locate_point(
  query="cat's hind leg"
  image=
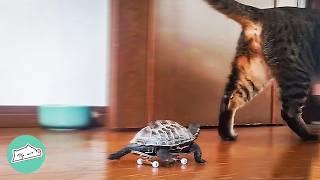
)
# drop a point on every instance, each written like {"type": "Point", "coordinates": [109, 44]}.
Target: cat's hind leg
{"type": "Point", "coordinates": [248, 77]}
{"type": "Point", "coordinates": [294, 90]}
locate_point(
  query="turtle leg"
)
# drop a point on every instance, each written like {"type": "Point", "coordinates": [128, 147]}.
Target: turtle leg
{"type": "Point", "coordinates": [165, 157]}
{"type": "Point", "coordinates": [126, 150]}
{"type": "Point", "coordinates": [197, 153]}
{"type": "Point", "coordinates": [117, 155]}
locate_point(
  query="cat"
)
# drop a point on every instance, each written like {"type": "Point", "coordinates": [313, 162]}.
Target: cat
{"type": "Point", "coordinates": [276, 43]}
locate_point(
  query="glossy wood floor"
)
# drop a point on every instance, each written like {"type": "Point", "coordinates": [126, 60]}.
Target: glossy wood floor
{"type": "Point", "coordinates": [259, 153]}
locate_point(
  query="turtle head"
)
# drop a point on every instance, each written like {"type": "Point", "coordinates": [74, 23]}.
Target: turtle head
{"type": "Point", "coordinates": [194, 129]}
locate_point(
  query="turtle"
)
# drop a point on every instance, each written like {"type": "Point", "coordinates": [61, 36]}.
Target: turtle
{"type": "Point", "coordinates": [164, 139]}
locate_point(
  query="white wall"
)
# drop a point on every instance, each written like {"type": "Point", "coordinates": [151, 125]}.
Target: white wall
{"type": "Point", "coordinates": [270, 3]}
{"type": "Point", "coordinates": [54, 52]}
{"type": "Point", "coordinates": [258, 3]}
{"type": "Point", "coordinates": [293, 3]}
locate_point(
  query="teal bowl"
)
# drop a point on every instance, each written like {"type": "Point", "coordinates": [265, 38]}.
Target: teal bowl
{"type": "Point", "coordinates": [64, 117]}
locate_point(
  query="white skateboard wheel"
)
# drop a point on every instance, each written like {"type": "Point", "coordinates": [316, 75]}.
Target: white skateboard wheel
{"type": "Point", "coordinates": [184, 161]}
{"type": "Point", "coordinates": [139, 161]}
{"type": "Point", "coordinates": [155, 164]}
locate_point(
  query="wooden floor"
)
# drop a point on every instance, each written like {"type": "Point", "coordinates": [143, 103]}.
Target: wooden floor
{"type": "Point", "coordinates": [259, 153]}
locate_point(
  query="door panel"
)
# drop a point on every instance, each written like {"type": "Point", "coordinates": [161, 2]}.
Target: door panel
{"type": "Point", "coordinates": [129, 73]}
{"type": "Point", "coordinates": [171, 60]}
{"type": "Point", "coordinates": [193, 50]}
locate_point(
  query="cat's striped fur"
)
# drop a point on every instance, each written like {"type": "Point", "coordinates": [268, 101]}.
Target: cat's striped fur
{"type": "Point", "coordinates": [279, 43]}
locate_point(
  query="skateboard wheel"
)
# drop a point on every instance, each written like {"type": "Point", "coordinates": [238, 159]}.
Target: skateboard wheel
{"type": "Point", "coordinates": [184, 161]}
{"type": "Point", "coordinates": [139, 161]}
{"type": "Point", "coordinates": [155, 164]}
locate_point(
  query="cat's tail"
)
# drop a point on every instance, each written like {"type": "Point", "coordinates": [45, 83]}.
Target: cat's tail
{"type": "Point", "coordinates": [239, 12]}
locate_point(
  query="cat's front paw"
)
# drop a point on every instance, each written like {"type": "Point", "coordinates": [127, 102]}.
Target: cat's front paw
{"type": "Point", "coordinates": [311, 137]}
{"type": "Point", "coordinates": [228, 136]}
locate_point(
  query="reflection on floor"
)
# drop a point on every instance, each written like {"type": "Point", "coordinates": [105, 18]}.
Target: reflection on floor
{"type": "Point", "coordinates": [259, 153]}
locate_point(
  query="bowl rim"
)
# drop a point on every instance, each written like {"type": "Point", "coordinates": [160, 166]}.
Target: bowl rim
{"type": "Point", "coordinates": [62, 106]}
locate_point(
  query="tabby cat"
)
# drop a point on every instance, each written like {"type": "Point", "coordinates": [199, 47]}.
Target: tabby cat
{"type": "Point", "coordinates": [277, 43]}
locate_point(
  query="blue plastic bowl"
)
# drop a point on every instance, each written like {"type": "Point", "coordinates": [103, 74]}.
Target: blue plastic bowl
{"type": "Point", "coordinates": [64, 117]}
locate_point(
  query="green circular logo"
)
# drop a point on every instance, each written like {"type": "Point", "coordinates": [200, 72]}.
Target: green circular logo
{"type": "Point", "coordinates": [26, 154]}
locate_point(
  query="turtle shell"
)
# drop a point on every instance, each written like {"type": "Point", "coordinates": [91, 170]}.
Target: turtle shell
{"type": "Point", "coordinates": [163, 133]}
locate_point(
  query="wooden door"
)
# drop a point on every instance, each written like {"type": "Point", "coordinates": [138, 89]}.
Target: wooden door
{"type": "Point", "coordinates": [128, 64]}
{"type": "Point", "coordinates": [194, 46]}
{"type": "Point", "coordinates": [171, 60]}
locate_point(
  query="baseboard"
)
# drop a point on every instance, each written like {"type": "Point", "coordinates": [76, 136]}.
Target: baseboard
{"type": "Point", "coordinates": [26, 116]}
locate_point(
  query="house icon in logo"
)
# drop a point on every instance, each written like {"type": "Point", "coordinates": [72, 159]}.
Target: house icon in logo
{"type": "Point", "coordinates": [25, 153]}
